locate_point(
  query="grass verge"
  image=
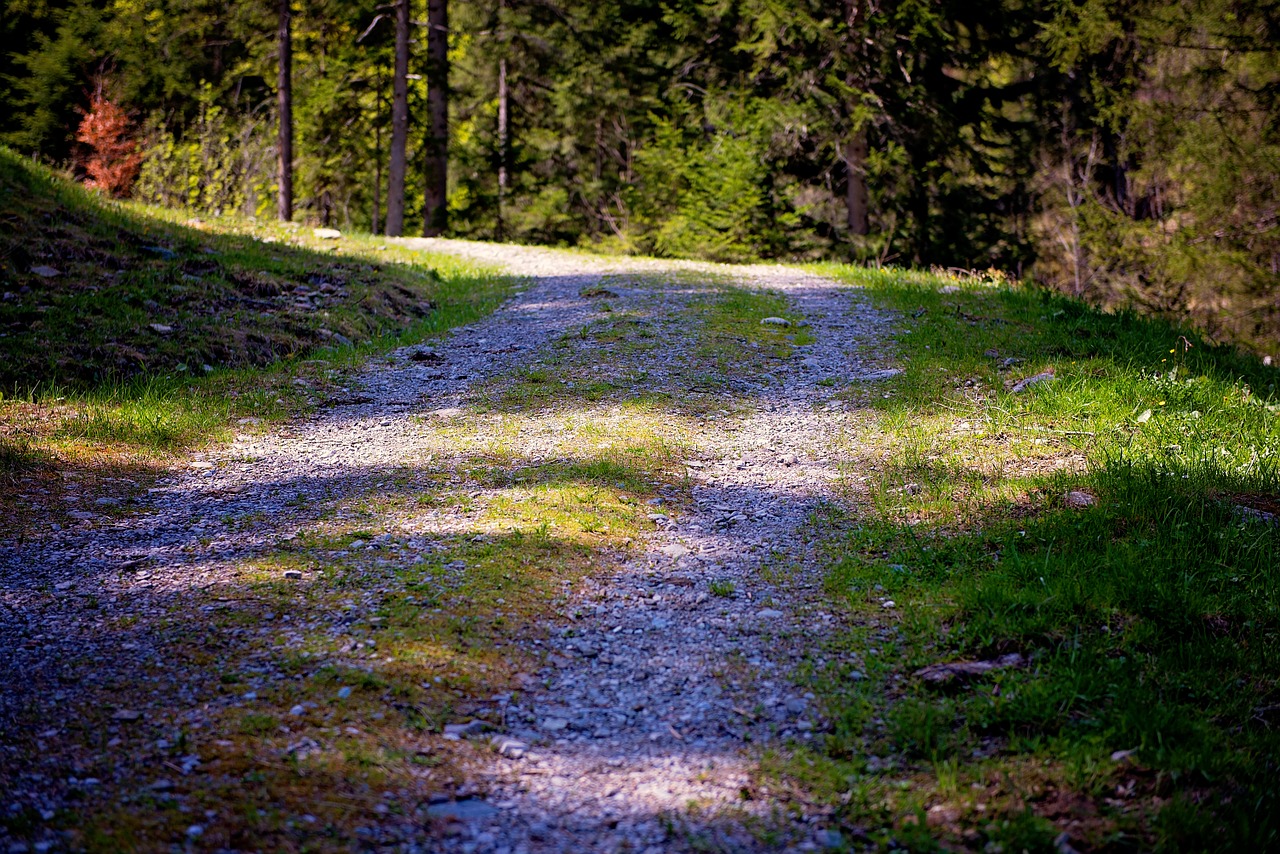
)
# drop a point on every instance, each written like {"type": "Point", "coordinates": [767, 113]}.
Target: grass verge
{"type": "Point", "coordinates": [129, 334]}
{"type": "Point", "coordinates": [1066, 611]}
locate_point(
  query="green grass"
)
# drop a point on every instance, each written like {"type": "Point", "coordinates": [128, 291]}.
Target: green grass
{"type": "Point", "coordinates": [1146, 606]}
{"type": "Point", "coordinates": [161, 333]}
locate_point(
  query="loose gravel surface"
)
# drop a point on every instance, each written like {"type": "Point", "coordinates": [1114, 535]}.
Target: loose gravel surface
{"type": "Point", "coordinates": [661, 678]}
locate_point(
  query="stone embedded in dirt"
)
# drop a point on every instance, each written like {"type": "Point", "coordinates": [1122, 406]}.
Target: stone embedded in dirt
{"type": "Point", "coordinates": [993, 353]}
{"type": "Point", "coordinates": [553, 724]}
{"type": "Point", "coordinates": [162, 328]}
{"type": "Point", "coordinates": [292, 573]}
{"type": "Point", "coordinates": [326, 233]}
{"type": "Point", "coordinates": [787, 459]}
{"type": "Point", "coordinates": [768, 613]}
{"type": "Point", "coordinates": [876, 376]}
{"type": "Point", "coordinates": [960, 671]}
{"type": "Point", "coordinates": [1026, 383]}
{"type": "Point", "coordinates": [471, 809]}
{"type": "Point", "coordinates": [126, 716]}
{"type": "Point", "coordinates": [512, 748]}
{"type": "Point", "coordinates": [675, 551]}
{"type": "Point", "coordinates": [46, 272]}
{"type": "Point", "coordinates": [167, 254]}
{"type": "Point", "coordinates": [454, 732]}
{"type": "Point", "coordinates": [200, 464]}
{"type": "Point", "coordinates": [775, 321]}
{"type": "Point", "coordinates": [1076, 498]}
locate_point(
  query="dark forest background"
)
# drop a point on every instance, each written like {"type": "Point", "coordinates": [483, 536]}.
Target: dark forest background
{"type": "Point", "coordinates": [1125, 152]}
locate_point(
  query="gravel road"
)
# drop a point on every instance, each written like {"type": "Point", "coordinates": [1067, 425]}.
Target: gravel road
{"type": "Point", "coordinates": [659, 689]}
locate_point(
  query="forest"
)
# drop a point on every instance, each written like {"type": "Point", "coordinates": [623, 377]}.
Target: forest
{"type": "Point", "coordinates": [1123, 152]}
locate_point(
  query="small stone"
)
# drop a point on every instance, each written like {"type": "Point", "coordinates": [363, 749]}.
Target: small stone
{"type": "Point", "coordinates": [195, 831]}
{"type": "Point", "coordinates": [1076, 498]}
{"type": "Point", "coordinates": [1024, 384]}
{"type": "Point", "coordinates": [512, 748]}
{"type": "Point", "coordinates": [470, 809]}
{"type": "Point", "coordinates": [46, 272]}
{"type": "Point", "coordinates": [296, 710]}
{"type": "Point", "coordinates": [554, 724]}
{"type": "Point", "coordinates": [293, 573]}
{"type": "Point", "coordinates": [775, 321]}
{"type": "Point", "coordinates": [675, 551]}
{"type": "Point", "coordinates": [876, 376]}
{"type": "Point", "coordinates": [788, 459]}
{"type": "Point", "coordinates": [162, 328]}
{"type": "Point", "coordinates": [107, 502]}
{"type": "Point", "coordinates": [326, 233]}
{"type": "Point", "coordinates": [344, 692]}
{"type": "Point", "coordinates": [126, 716]}
{"type": "Point", "coordinates": [768, 614]}
{"type": "Point", "coordinates": [64, 585]}
{"type": "Point", "coordinates": [888, 604]}
{"type": "Point", "coordinates": [454, 732]}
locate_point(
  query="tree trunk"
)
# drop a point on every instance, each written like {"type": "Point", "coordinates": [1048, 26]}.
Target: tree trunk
{"type": "Point", "coordinates": [284, 94]}
{"type": "Point", "coordinates": [502, 140]}
{"type": "Point", "coordinates": [855, 162]}
{"type": "Point", "coordinates": [377, 155]}
{"type": "Point", "coordinates": [399, 123]}
{"type": "Point", "coordinates": [437, 148]}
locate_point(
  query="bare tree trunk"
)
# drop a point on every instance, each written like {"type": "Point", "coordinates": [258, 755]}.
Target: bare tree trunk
{"type": "Point", "coordinates": [284, 95]}
{"type": "Point", "coordinates": [399, 123]}
{"type": "Point", "coordinates": [855, 163]}
{"type": "Point", "coordinates": [436, 218]}
{"type": "Point", "coordinates": [502, 140]}
{"type": "Point", "coordinates": [377, 155]}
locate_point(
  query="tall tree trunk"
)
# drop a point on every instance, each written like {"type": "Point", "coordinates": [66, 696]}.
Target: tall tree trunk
{"type": "Point", "coordinates": [855, 163]}
{"type": "Point", "coordinates": [284, 95]}
{"type": "Point", "coordinates": [437, 148]}
{"type": "Point", "coordinates": [399, 123]}
{"type": "Point", "coordinates": [377, 154]}
{"type": "Point", "coordinates": [502, 140]}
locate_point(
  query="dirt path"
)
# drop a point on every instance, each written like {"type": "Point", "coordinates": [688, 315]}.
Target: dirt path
{"type": "Point", "coordinates": [662, 674]}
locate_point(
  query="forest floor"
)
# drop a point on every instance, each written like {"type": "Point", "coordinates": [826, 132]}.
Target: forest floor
{"type": "Point", "coordinates": [672, 556]}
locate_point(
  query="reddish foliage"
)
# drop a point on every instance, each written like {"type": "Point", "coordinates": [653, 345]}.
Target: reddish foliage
{"type": "Point", "coordinates": [115, 157]}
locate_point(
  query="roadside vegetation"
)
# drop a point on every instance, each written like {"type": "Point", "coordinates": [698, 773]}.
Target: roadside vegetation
{"type": "Point", "coordinates": [1064, 599]}
{"type": "Point", "coordinates": [131, 333]}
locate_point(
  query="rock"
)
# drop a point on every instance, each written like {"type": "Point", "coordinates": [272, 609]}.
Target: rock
{"type": "Point", "coordinates": [297, 710]}
{"type": "Point", "coordinates": [787, 459]}
{"type": "Point", "coordinates": [107, 502]}
{"type": "Point", "coordinates": [200, 464]}
{"type": "Point", "coordinates": [1026, 383]}
{"type": "Point", "coordinates": [46, 272]}
{"type": "Point", "coordinates": [512, 748]}
{"type": "Point", "coordinates": [470, 809]}
{"type": "Point", "coordinates": [1076, 498]}
{"type": "Point", "coordinates": [454, 732]}
{"type": "Point", "coordinates": [943, 674]}
{"type": "Point", "coordinates": [877, 376]}
{"type": "Point", "coordinates": [553, 724]}
{"type": "Point", "coordinates": [63, 585]}
{"type": "Point", "coordinates": [993, 353]}
{"type": "Point", "coordinates": [775, 321]}
{"type": "Point", "coordinates": [293, 573]}
{"type": "Point", "coordinates": [888, 604]}
{"type": "Point", "coordinates": [326, 233]}
{"type": "Point", "coordinates": [167, 254]}
{"type": "Point", "coordinates": [426, 356]}
{"type": "Point", "coordinates": [162, 328]}
{"type": "Point", "coordinates": [768, 614]}
{"type": "Point", "coordinates": [675, 551]}
{"type": "Point", "coordinates": [344, 692]}
{"type": "Point", "coordinates": [195, 831]}
{"type": "Point", "coordinates": [126, 715]}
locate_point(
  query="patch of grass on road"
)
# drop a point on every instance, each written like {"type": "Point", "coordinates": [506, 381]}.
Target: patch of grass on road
{"type": "Point", "coordinates": [129, 334]}
{"type": "Point", "coordinates": [1114, 526]}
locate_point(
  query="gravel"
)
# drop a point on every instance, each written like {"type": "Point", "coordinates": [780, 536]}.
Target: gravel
{"type": "Point", "coordinates": [659, 694]}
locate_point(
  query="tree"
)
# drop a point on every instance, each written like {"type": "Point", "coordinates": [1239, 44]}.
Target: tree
{"type": "Point", "coordinates": [436, 215]}
{"type": "Point", "coordinates": [399, 123]}
{"type": "Point", "coordinates": [284, 38]}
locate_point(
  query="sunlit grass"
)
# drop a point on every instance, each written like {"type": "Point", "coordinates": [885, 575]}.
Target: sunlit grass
{"type": "Point", "coordinates": [1092, 523]}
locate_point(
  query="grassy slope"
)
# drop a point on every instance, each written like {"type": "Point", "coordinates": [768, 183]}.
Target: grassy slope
{"type": "Point", "coordinates": [1150, 618]}
{"type": "Point", "coordinates": [159, 334]}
